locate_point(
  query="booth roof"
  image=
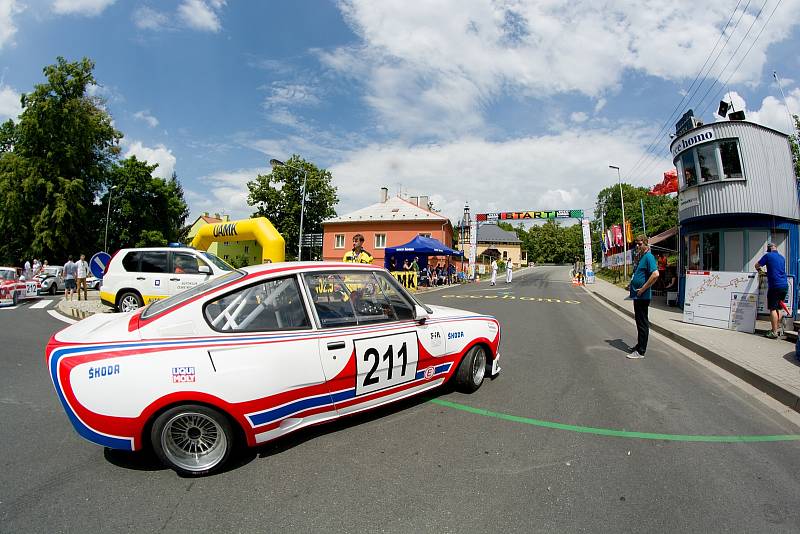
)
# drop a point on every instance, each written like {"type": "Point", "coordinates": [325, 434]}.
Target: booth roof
{"type": "Point", "coordinates": [666, 234]}
{"type": "Point", "coordinates": [423, 245]}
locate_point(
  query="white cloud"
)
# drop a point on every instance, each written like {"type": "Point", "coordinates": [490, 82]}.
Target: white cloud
{"type": "Point", "coordinates": [145, 116]}
{"type": "Point", "coordinates": [201, 15]}
{"type": "Point", "coordinates": [560, 171]}
{"type": "Point", "coordinates": [159, 154]}
{"type": "Point", "coordinates": [578, 116]}
{"type": "Point", "coordinates": [225, 192]}
{"type": "Point", "coordinates": [601, 103]}
{"type": "Point", "coordinates": [8, 8]}
{"type": "Point", "coordinates": [146, 18]}
{"type": "Point", "coordinates": [88, 8]}
{"type": "Point", "coordinates": [435, 75]}
{"type": "Point", "coordinates": [10, 107]}
{"type": "Point", "coordinates": [772, 112]}
{"type": "Point", "coordinates": [291, 94]}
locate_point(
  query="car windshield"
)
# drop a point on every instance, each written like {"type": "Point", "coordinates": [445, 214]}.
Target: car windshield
{"type": "Point", "coordinates": [52, 271]}
{"type": "Point", "coordinates": [8, 275]}
{"type": "Point", "coordinates": [160, 305]}
{"type": "Point", "coordinates": [221, 264]}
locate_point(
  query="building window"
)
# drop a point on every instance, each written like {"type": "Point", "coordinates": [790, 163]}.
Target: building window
{"type": "Point", "coordinates": [225, 257]}
{"type": "Point", "coordinates": [707, 159]}
{"type": "Point", "coordinates": [702, 164]}
{"type": "Point", "coordinates": [425, 235]}
{"type": "Point", "coordinates": [380, 240]}
{"type": "Point", "coordinates": [246, 249]}
{"type": "Point", "coordinates": [505, 255]}
{"type": "Point", "coordinates": [693, 256]}
{"type": "Point", "coordinates": [689, 172]}
{"type": "Point", "coordinates": [711, 251]}
{"type": "Point", "coordinates": [731, 163]}
{"type": "Point", "coordinates": [338, 241]}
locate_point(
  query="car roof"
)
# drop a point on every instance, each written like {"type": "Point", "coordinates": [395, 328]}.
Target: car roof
{"type": "Point", "coordinates": [161, 249]}
{"type": "Point", "coordinates": [309, 266]}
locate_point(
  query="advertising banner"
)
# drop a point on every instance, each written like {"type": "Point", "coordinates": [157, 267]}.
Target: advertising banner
{"type": "Point", "coordinates": [473, 245]}
{"type": "Point", "coordinates": [587, 251]}
{"type": "Point", "coordinates": [523, 215]}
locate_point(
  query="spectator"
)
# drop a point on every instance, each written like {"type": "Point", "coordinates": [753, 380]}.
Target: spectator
{"type": "Point", "coordinates": [27, 272]}
{"type": "Point", "coordinates": [70, 270]}
{"type": "Point", "coordinates": [37, 267]}
{"type": "Point", "coordinates": [494, 271]}
{"type": "Point", "coordinates": [392, 263]}
{"type": "Point", "coordinates": [644, 276]}
{"type": "Point", "coordinates": [358, 254]}
{"type": "Point", "coordinates": [777, 284]}
{"type": "Point", "coordinates": [415, 264]}
{"type": "Point", "coordinates": [82, 272]}
{"type": "Point", "coordinates": [406, 265]}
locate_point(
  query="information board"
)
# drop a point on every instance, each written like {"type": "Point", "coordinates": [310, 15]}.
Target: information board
{"type": "Point", "coordinates": [721, 299]}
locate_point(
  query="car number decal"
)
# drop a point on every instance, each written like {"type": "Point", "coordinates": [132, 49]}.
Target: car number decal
{"type": "Point", "coordinates": [385, 361]}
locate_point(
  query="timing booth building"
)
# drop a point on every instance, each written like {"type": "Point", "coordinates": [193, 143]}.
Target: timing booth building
{"type": "Point", "coordinates": [737, 192]}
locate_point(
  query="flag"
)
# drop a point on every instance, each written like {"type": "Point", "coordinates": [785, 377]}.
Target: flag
{"type": "Point", "coordinates": [609, 241]}
{"type": "Point", "coordinates": [617, 235]}
{"type": "Point", "coordinates": [628, 232]}
{"type": "Point", "coordinates": [668, 185]}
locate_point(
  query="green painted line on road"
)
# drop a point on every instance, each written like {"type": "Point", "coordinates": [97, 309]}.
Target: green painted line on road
{"type": "Point", "coordinates": [612, 432]}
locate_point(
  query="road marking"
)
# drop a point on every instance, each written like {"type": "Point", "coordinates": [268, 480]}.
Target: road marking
{"type": "Point", "coordinates": [512, 297]}
{"type": "Point", "coordinates": [9, 307]}
{"type": "Point", "coordinates": [61, 317]}
{"type": "Point", "coordinates": [613, 432]}
{"type": "Point", "coordinates": [41, 304]}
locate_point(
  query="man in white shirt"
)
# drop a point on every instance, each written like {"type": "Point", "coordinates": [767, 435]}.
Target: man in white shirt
{"type": "Point", "coordinates": [509, 270]}
{"type": "Point", "coordinates": [82, 274]}
{"type": "Point", "coordinates": [494, 271]}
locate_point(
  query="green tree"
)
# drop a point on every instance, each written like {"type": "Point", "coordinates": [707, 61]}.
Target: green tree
{"type": "Point", "coordinates": [277, 197]}
{"type": "Point", "coordinates": [660, 211]}
{"type": "Point", "coordinates": [145, 210]}
{"type": "Point", "coordinates": [56, 159]}
{"type": "Point", "coordinates": [795, 147]}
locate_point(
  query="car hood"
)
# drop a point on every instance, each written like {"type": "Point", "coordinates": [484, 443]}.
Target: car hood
{"type": "Point", "coordinates": [99, 328]}
{"type": "Point", "coordinates": [443, 312]}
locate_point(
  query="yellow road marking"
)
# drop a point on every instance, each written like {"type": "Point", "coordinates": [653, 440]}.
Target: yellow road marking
{"type": "Point", "coordinates": [512, 297]}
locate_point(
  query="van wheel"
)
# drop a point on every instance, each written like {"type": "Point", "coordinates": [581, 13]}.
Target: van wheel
{"type": "Point", "coordinates": [129, 301]}
{"type": "Point", "coordinates": [193, 440]}
{"type": "Point", "coordinates": [472, 370]}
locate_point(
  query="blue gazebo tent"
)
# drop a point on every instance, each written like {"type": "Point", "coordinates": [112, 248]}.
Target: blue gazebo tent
{"type": "Point", "coordinates": [420, 247]}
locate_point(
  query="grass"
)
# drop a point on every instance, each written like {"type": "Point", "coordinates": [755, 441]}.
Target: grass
{"type": "Point", "coordinates": [614, 277]}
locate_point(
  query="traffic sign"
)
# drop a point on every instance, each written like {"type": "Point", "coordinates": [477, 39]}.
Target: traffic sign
{"type": "Point", "coordinates": [98, 263]}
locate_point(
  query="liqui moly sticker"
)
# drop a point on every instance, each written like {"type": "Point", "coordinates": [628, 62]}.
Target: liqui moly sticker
{"type": "Point", "coordinates": [182, 374]}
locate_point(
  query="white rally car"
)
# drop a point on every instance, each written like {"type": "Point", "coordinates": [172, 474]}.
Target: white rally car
{"type": "Point", "coordinates": [13, 288]}
{"type": "Point", "coordinates": [258, 353]}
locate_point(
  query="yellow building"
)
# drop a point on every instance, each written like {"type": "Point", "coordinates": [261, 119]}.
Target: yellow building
{"type": "Point", "coordinates": [239, 253]}
{"type": "Point", "coordinates": [495, 242]}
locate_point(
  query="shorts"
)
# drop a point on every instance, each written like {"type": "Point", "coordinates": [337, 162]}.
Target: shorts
{"type": "Point", "coordinates": [69, 283]}
{"type": "Point", "coordinates": [775, 296]}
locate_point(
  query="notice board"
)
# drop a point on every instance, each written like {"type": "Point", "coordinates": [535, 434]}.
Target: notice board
{"type": "Point", "coordinates": [721, 299]}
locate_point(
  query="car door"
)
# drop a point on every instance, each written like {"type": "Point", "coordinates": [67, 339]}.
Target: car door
{"type": "Point", "coordinates": [152, 278]}
{"type": "Point", "coordinates": [185, 271]}
{"type": "Point", "coordinates": [276, 368]}
{"type": "Point", "coordinates": [369, 354]}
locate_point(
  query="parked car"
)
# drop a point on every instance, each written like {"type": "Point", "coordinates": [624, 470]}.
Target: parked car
{"type": "Point", "coordinates": [138, 276]}
{"type": "Point", "coordinates": [257, 353]}
{"type": "Point", "coordinates": [14, 287]}
{"type": "Point", "coordinates": [51, 279]}
{"type": "Point", "coordinates": [92, 282]}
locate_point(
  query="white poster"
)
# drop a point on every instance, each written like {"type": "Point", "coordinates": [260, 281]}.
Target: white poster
{"type": "Point", "coordinates": [473, 245]}
{"type": "Point", "coordinates": [721, 299]}
{"type": "Point", "coordinates": [587, 251]}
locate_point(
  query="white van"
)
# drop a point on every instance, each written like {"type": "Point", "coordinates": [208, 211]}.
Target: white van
{"type": "Point", "coordinates": [137, 276]}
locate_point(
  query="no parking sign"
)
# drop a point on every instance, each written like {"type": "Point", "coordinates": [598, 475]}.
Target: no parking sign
{"type": "Point", "coordinates": [98, 263]}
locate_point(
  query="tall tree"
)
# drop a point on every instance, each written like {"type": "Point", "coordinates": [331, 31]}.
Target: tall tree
{"type": "Point", "coordinates": [277, 196]}
{"type": "Point", "coordinates": [795, 147]}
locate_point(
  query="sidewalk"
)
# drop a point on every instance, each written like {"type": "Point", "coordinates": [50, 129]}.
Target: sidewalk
{"type": "Point", "coordinates": [79, 309]}
{"type": "Point", "coordinates": [767, 364]}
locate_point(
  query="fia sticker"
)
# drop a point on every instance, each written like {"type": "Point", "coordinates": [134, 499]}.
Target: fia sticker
{"type": "Point", "coordinates": [157, 282]}
{"type": "Point", "coordinates": [182, 374]}
{"type": "Point", "coordinates": [429, 373]}
{"type": "Point", "coordinates": [436, 338]}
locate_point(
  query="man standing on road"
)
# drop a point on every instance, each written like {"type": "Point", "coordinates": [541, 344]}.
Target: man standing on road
{"type": "Point", "coordinates": [358, 254]}
{"type": "Point", "coordinates": [777, 284]}
{"type": "Point", "coordinates": [509, 272]}
{"type": "Point", "coordinates": [645, 275]}
{"type": "Point", "coordinates": [70, 270]}
{"type": "Point", "coordinates": [82, 273]}
{"type": "Point", "coordinates": [494, 271]}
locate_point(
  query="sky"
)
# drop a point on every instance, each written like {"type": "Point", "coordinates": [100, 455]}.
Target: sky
{"type": "Point", "coordinates": [505, 105]}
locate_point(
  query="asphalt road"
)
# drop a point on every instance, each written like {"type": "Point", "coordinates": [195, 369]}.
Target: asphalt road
{"type": "Point", "coordinates": [427, 467]}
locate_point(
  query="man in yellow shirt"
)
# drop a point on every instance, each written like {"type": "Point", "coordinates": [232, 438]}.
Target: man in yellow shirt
{"type": "Point", "coordinates": [358, 254]}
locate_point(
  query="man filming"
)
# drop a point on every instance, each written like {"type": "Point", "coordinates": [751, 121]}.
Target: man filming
{"type": "Point", "coordinates": [358, 254]}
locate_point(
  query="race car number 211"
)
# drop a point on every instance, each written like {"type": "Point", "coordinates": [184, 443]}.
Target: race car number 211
{"type": "Point", "coordinates": [385, 361]}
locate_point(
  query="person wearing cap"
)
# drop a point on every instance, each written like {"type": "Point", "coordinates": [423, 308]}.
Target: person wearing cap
{"type": "Point", "coordinates": [777, 284]}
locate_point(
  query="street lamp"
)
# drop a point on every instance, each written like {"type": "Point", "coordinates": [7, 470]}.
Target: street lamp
{"type": "Point", "coordinates": [278, 163]}
{"type": "Point", "coordinates": [108, 212]}
{"type": "Point", "coordinates": [624, 240]}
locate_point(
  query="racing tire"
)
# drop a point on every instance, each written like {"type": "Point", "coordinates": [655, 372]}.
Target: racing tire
{"type": "Point", "coordinates": [53, 289]}
{"type": "Point", "coordinates": [15, 298]}
{"type": "Point", "coordinates": [129, 301]}
{"type": "Point", "coordinates": [193, 440]}
{"type": "Point", "coordinates": [472, 370]}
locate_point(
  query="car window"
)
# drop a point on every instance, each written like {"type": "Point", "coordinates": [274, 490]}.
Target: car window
{"type": "Point", "coordinates": [131, 261]}
{"type": "Point", "coordinates": [186, 263]}
{"type": "Point", "coordinates": [268, 306]}
{"type": "Point", "coordinates": [221, 264]}
{"type": "Point", "coordinates": [403, 309]}
{"type": "Point", "coordinates": [153, 262]}
{"type": "Point", "coordinates": [342, 299]}
{"type": "Point", "coordinates": [159, 306]}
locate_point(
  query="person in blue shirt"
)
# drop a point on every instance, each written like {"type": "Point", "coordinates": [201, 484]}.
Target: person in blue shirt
{"type": "Point", "coordinates": [645, 275]}
{"type": "Point", "coordinates": [777, 284]}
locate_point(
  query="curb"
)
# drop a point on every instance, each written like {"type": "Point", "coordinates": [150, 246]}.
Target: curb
{"type": "Point", "coordinates": [776, 391]}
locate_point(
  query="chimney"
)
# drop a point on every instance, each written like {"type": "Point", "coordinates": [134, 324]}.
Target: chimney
{"type": "Point", "coordinates": [384, 194]}
{"type": "Point", "coordinates": [423, 202]}
{"type": "Point", "coordinates": [414, 200]}
{"type": "Point", "coordinates": [205, 214]}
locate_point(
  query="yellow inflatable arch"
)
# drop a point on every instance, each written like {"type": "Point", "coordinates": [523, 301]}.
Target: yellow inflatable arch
{"type": "Point", "coordinates": [273, 246]}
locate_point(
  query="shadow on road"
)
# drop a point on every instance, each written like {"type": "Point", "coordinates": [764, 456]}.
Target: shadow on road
{"type": "Point", "coordinates": [619, 344]}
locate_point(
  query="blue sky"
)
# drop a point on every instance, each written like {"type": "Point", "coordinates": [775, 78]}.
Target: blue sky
{"type": "Point", "coordinates": [507, 105]}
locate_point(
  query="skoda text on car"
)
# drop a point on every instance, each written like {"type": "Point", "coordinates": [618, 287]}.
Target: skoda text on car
{"type": "Point", "coordinates": [13, 288]}
{"type": "Point", "coordinates": [257, 353]}
{"type": "Point", "coordinates": [137, 276]}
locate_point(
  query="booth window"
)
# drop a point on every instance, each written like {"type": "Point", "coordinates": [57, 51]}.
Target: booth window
{"type": "Point", "coordinates": [693, 255]}
{"type": "Point", "coordinates": [711, 251]}
{"type": "Point", "coordinates": [689, 170]}
{"type": "Point", "coordinates": [731, 163]}
{"type": "Point", "coordinates": [339, 241]}
{"type": "Point", "coordinates": [707, 157]}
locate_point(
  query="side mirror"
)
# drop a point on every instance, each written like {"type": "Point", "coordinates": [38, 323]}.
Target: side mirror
{"type": "Point", "coordinates": [204, 269]}
{"type": "Point", "coordinates": [420, 314]}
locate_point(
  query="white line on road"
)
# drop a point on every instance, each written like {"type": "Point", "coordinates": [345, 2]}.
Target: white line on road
{"type": "Point", "coordinates": [41, 304]}
{"type": "Point", "coordinates": [61, 317]}
{"type": "Point", "coordinates": [9, 308]}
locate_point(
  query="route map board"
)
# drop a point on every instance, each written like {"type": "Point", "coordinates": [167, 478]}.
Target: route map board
{"type": "Point", "coordinates": [721, 299]}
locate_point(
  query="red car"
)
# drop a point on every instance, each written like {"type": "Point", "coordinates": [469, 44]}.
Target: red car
{"type": "Point", "coordinates": [12, 289]}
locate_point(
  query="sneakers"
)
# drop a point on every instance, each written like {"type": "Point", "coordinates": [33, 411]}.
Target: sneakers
{"type": "Point", "coordinates": [771, 335]}
{"type": "Point", "coordinates": [635, 356]}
